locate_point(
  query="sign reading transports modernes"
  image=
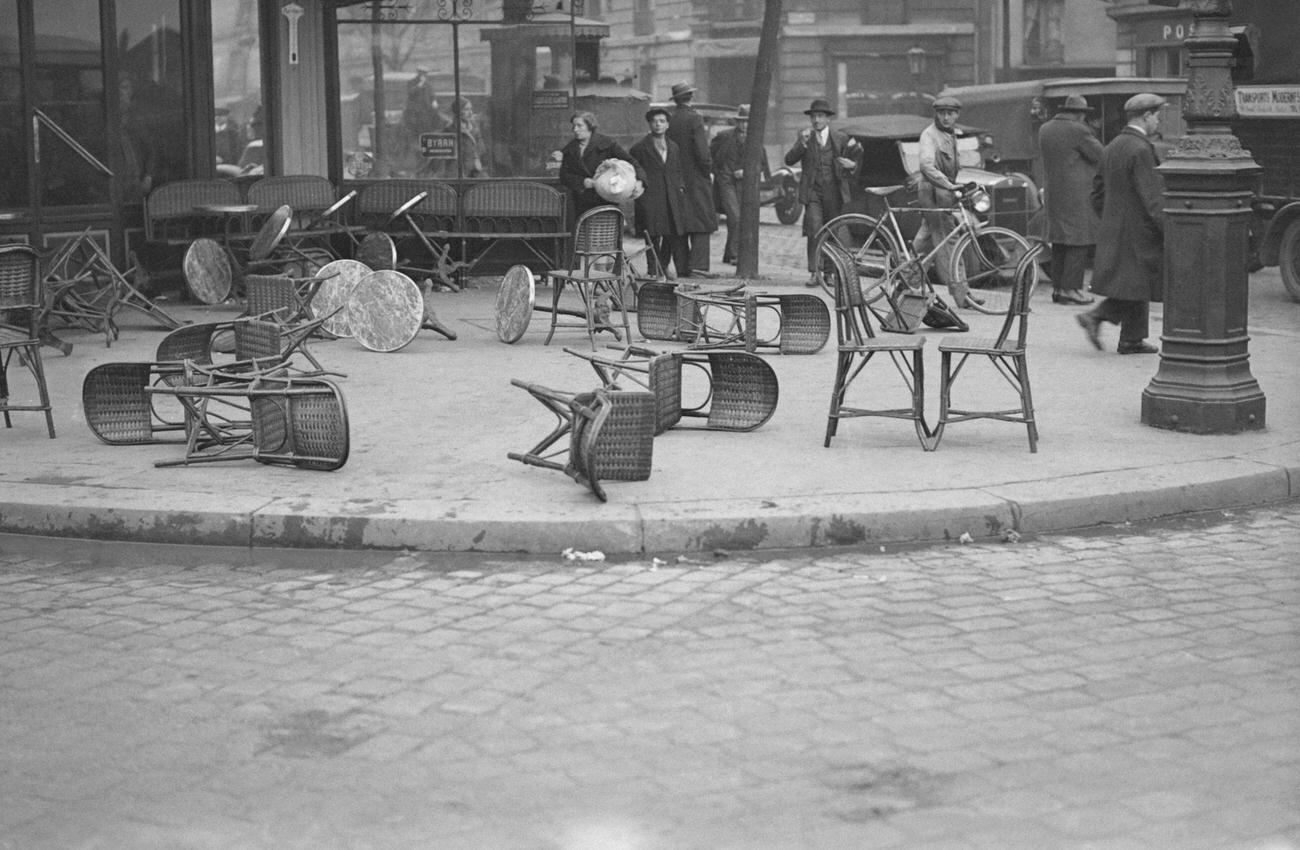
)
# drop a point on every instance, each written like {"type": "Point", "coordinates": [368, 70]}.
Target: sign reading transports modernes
{"type": "Point", "coordinates": [1268, 101]}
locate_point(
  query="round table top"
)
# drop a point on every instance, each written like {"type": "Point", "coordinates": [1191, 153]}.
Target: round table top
{"type": "Point", "coordinates": [273, 230]}
{"type": "Point", "coordinates": [207, 271]}
{"type": "Point", "coordinates": [514, 307]}
{"type": "Point", "coordinates": [226, 209]}
{"type": "Point", "coordinates": [341, 277]}
{"type": "Point", "coordinates": [378, 251]}
{"type": "Point", "coordinates": [385, 310]}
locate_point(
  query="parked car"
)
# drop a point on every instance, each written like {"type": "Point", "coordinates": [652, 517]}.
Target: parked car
{"type": "Point", "coordinates": [891, 158]}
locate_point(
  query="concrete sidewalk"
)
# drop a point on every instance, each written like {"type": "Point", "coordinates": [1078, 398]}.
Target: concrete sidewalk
{"type": "Point", "coordinates": [431, 425]}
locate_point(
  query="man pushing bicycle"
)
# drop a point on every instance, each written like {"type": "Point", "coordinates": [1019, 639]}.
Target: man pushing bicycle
{"type": "Point", "coordinates": [937, 191]}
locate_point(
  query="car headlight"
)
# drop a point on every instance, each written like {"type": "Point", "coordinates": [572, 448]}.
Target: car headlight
{"type": "Point", "coordinates": [982, 202]}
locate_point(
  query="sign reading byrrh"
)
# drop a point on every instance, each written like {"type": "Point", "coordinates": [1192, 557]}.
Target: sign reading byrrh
{"type": "Point", "coordinates": [1268, 101]}
{"type": "Point", "coordinates": [438, 145]}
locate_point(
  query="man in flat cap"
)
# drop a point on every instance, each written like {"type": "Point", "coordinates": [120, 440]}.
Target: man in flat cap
{"type": "Point", "coordinates": [828, 160]}
{"type": "Point", "coordinates": [1128, 193]}
{"type": "Point", "coordinates": [936, 189]}
{"type": "Point", "coordinates": [1071, 155]}
{"type": "Point", "coordinates": [700, 218]}
{"type": "Point", "coordinates": [661, 209]}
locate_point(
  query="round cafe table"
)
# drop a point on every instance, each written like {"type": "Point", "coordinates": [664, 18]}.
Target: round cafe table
{"type": "Point", "coordinates": [233, 217]}
{"type": "Point", "coordinates": [340, 278]}
{"type": "Point", "coordinates": [514, 306]}
{"type": "Point", "coordinates": [385, 310]}
{"type": "Point", "coordinates": [207, 271]}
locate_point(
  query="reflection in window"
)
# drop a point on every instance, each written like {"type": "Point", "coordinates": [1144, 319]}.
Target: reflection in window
{"type": "Point", "coordinates": [427, 96]}
{"type": "Point", "coordinates": [238, 125]}
{"type": "Point", "coordinates": [150, 94]}
{"type": "Point", "coordinates": [13, 130]}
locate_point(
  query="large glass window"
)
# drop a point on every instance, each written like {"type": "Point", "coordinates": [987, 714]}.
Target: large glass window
{"type": "Point", "coordinates": [239, 124]}
{"type": "Point", "coordinates": [69, 99]}
{"type": "Point", "coordinates": [151, 93]}
{"type": "Point", "coordinates": [430, 88]}
{"type": "Point", "coordinates": [14, 192]}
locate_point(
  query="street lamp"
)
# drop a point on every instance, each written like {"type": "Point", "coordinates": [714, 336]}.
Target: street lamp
{"type": "Point", "coordinates": [916, 57]}
{"type": "Point", "coordinates": [1204, 384]}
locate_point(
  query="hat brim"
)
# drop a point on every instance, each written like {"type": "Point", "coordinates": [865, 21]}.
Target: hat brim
{"type": "Point", "coordinates": [684, 92]}
{"type": "Point", "coordinates": [829, 112]}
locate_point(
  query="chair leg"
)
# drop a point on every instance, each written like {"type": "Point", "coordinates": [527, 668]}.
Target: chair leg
{"type": "Point", "coordinates": [557, 288]}
{"type": "Point", "coordinates": [38, 371]}
{"type": "Point", "coordinates": [1027, 401]}
{"type": "Point", "coordinates": [837, 396]}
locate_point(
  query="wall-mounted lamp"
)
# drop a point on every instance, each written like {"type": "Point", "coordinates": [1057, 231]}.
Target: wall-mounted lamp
{"type": "Point", "coordinates": [916, 57]}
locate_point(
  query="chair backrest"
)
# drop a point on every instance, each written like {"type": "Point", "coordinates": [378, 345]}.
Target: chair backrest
{"type": "Point", "coordinates": [1023, 281]}
{"type": "Point", "coordinates": [438, 211]}
{"type": "Point", "coordinates": [300, 422]}
{"type": "Point", "coordinates": [598, 239]}
{"type": "Point", "coordinates": [189, 342]}
{"type": "Point", "coordinates": [169, 209]}
{"type": "Point", "coordinates": [512, 206]}
{"type": "Point", "coordinates": [305, 193]}
{"type": "Point", "coordinates": [20, 287]}
{"type": "Point", "coordinates": [118, 410]}
{"type": "Point", "coordinates": [743, 389]}
{"type": "Point", "coordinates": [272, 294]}
{"type": "Point", "coordinates": [805, 323]}
{"type": "Point", "coordinates": [852, 318]}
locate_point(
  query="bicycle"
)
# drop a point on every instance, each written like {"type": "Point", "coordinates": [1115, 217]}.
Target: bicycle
{"type": "Point", "coordinates": [981, 256]}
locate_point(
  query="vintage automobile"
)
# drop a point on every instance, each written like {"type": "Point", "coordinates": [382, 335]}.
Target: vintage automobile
{"type": "Point", "coordinates": [892, 158]}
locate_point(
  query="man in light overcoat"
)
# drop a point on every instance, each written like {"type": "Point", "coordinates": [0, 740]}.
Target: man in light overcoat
{"type": "Point", "coordinates": [1129, 266]}
{"type": "Point", "coordinates": [1071, 155]}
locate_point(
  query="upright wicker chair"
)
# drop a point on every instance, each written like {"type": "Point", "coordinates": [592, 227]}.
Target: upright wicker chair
{"type": "Point", "coordinates": [739, 394]}
{"type": "Point", "coordinates": [611, 435]}
{"type": "Point", "coordinates": [1006, 352]}
{"type": "Point", "coordinates": [596, 273]}
{"type": "Point", "coordinates": [21, 307]}
{"type": "Point", "coordinates": [858, 345]}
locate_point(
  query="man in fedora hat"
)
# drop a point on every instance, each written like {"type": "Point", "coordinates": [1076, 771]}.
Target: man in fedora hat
{"type": "Point", "coordinates": [1071, 155]}
{"type": "Point", "coordinates": [728, 152]}
{"type": "Point", "coordinates": [828, 160]}
{"type": "Point", "coordinates": [700, 218]}
{"type": "Point", "coordinates": [1129, 267]}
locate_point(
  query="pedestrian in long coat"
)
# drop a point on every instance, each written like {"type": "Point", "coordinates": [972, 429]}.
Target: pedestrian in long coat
{"type": "Point", "coordinates": [686, 128]}
{"type": "Point", "coordinates": [1129, 266]}
{"type": "Point", "coordinates": [661, 209]}
{"type": "Point", "coordinates": [580, 158]}
{"type": "Point", "coordinates": [1071, 156]}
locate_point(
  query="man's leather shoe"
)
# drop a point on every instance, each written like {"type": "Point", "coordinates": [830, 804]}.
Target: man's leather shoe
{"type": "Point", "coordinates": [1071, 296]}
{"type": "Point", "coordinates": [1091, 328]}
{"type": "Point", "coordinates": [1137, 348]}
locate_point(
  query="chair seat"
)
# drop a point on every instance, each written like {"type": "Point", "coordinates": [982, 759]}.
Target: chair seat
{"type": "Point", "coordinates": [578, 276]}
{"type": "Point", "coordinates": [978, 345]}
{"type": "Point", "coordinates": [914, 343]}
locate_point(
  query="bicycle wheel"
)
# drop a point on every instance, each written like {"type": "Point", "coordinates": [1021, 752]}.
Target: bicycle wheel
{"type": "Point", "coordinates": [986, 260]}
{"type": "Point", "coordinates": [874, 250]}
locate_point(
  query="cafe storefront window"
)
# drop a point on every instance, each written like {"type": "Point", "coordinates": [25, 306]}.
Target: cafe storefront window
{"type": "Point", "coordinates": [458, 89]}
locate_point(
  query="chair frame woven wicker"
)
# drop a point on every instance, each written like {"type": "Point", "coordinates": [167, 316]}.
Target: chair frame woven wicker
{"type": "Point", "coordinates": [858, 345]}
{"type": "Point", "coordinates": [729, 318]}
{"type": "Point", "coordinates": [1007, 352]}
{"type": "Point", "coordinates": [20, 296]}
{"type": "Point", "coordinates": [259, 345]}
{"type": "Point", "coordinates": [611, 435]}
{"type": "Point", "coordinates": [121, 410]}
{"type": "Point", "coordinates": [597, 271]}
{"type": "Point", "coordinates": [740, 389]}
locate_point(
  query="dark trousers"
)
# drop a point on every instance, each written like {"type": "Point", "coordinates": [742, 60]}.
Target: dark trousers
{"type": "Point", "coordinates": [729, 206]}
{"type": "Point", "coordinates": [697, 250]}
{"type": "Point", "coordinates": [825, 205]}
{"type": "Point", "coordinates": [1069, 262]}
{"type": "Point", "coordinates": [1131, 316]}
{"type": "Point", "coordinates": [672, 249]}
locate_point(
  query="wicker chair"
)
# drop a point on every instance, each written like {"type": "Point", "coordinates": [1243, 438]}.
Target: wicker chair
{"type": "Point", "coordinates": [257, 345]}
{"type": "Point", "coordinates": [661, 315]}
{"type": "Point", "coordinates": [120, 406]}
{"type": "Point", "coordinates": [858, 345]}
{"type": "Point", "coordinates": [611, 435]}
{"type": "Point", "coordinates": [21, 306]}
{"type": "Point", "coordinates": [729, 318]}
{"type": "Point", "coordinates": [596, 273]}
{"type": "Point", "coordinates": [1006, 352]}
{"type": "Point", "coordinates": [740, 390]}
{"type": "Point", "coordinates": [298, 422]}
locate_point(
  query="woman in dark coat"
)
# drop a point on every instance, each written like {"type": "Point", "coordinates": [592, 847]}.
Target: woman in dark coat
{"type": "Point", "coordinates": [661, 208]}
{"type": "Point", "coordinates": [1129, 266]}
{"type": "Point", "coordinates": [580, 158]}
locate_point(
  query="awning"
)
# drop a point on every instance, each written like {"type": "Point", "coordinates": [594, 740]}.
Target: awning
{"type": "Point", "coordinates": [719, 48]}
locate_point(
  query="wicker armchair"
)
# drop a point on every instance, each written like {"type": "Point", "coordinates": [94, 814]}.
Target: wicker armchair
{"type": "Point", "coordinates": [739, 394]}
{"type": "Point", "coordinates": [596, 272]}
{"type": "Point", "coordinates": [611, 435]}
{"type": "Point", "coordinates": [1006, 353]}
{"type": "Point", "coordinates": [21, 306]}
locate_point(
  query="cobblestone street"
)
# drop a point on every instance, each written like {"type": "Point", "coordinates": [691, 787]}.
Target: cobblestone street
{"type": "Point", "coordinates": [1126, 688]}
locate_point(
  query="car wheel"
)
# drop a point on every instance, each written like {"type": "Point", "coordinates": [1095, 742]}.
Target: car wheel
{"type": "Point", "coordinates": [1288, 259]}
{"type": "Point", "coordinates": [787, 206]}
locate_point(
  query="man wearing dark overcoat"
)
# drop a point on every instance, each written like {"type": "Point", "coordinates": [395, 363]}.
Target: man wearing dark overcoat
{"type": "Point", "coordinates": [1071, 154]}
{"type": "Point", "coordinates": [728, 152]}
{"type": "Point", "coordinates": [1129, 266]}
{"type": "Point", "coordinates": [686, 129]}
{"type": "Point", "coordinates": [580, 158]}
{"type": "Point", "coordinates": [661, 209]}
{"type": "Point", "coordinates": [828, 160]}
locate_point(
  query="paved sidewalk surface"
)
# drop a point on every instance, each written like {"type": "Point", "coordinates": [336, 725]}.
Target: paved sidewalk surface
{"type": "Point", "coordinates": [431, 426]}
{"type": "Point", "coordinates": [1134, 689]}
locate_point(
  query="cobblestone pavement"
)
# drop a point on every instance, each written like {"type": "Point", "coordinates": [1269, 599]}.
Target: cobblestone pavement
{"type": "Point", "coordinates": [1128, 688]}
